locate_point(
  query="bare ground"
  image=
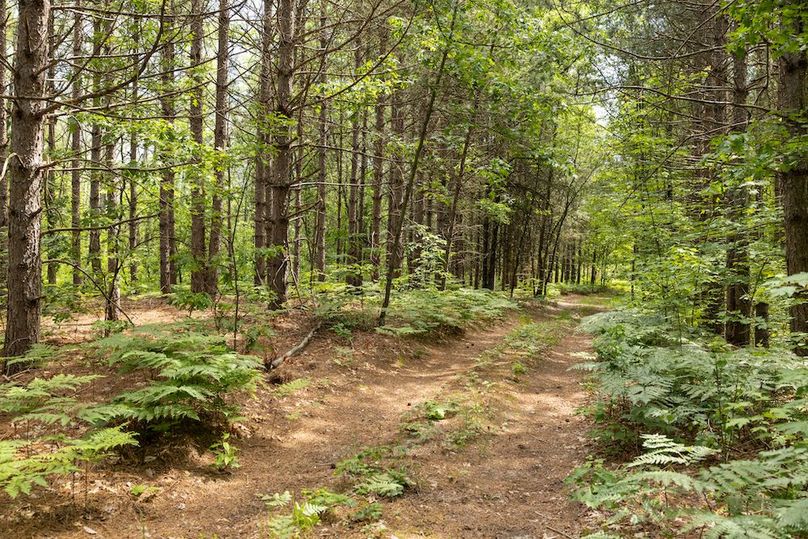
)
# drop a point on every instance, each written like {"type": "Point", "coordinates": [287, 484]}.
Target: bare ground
{"type": "Point", "coordinates": [503, 478]}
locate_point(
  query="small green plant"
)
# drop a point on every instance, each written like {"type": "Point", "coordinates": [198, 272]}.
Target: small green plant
{"type": "Point", "coordinates": [422, 431]}
{"type": "Point", "coordinates": [290, 388]}
{"type": "Point", "coordinates": [368, 513]}
{"type": "Point", "coordinates": [518, 369]}
{"type": "Point", "coordinates": [471, 426]}
{"type": "Point", "coordinates": [374, 478]}
{"type": "Point", "coordinates": [388, 483]}
{"type": "Point", "coordinates": [191, 301]}
{"type": "Point", "coordinates": [143, 492]}
{"type": "Point", "coordinates": [253, 334]}
{"type": "Point", "coordinates": [438, 411]}
{"type": "Point", "coordinates": [225, 453]}
{"type": "Point", "coordinates": [342, 331]}
{"type": "Point", "coordinates": [305, 514]}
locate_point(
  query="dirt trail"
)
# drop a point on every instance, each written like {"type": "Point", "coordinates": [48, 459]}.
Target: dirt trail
{"type": "Point", "coordinates": [506, 482]}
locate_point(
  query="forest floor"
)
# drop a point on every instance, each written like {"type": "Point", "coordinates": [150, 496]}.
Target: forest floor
{"type": "Point", "coordinates": [491, 466]}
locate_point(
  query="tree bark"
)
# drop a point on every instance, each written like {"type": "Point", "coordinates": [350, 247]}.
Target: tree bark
{"type": "Point", "coordinates": [322, 129]}
{"type": "Point", "coordinates": [75, 147]}
{"type": "Point", "coordinates": [220, 143]}
{"type": "Point", "coordinates": [133, 192]}
{"type": "Point", "coordinates": [379, 143]}
{"type": "Point", "coordinates": [113, 299]}
{"type": "Point", "coordinates": [198, 247]}
{"type": "Point", "coordinates": [3, 136]}
{"type": "Point", "coordinates": [793, 101]}
{"type": "Point", "coordinates": [94, 248]}
{"type": "Point", "coordinates": [263, 160]}
{"type": "Point", "coordinates": [25, 169]}
{"type": "Point", "coordinates": [353, 276]}
{"type": "Point", "coordinates": [50, 175]}
{"type": "Point", "coordinates": [737, 330]}
{"type": "Point", "coordinates": [395, 186]}
{"type": "Point", "coordinates": [167, 180]}
{"type": "Point", "coordinates": [281, 179]}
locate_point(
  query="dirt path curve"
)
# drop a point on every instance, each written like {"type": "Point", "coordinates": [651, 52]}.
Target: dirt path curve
{"type": "Point", "coordinates": [503, 480]}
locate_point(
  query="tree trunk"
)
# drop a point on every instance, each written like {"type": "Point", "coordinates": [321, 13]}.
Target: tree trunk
{"type": "Point", "coordinates": [3, 134]}
{"type": "Point", "coordinates": [737, 330]}
{"type": "Point", "coordinates": [167, 180]}
{"type": "Point", "coordinates": [379, 143]}
{"type": "Point", "coordinates": [50, 175]}
{"type": "Point", "coordinates": [793, 101]}
{"type": "Point", "coordinates": [298, 203]}
{"type": "Point", "coordinates": [75, 164]}
{"type": "Point", "coordinates": [24, 258]}
{"type": "Point", "coordinates": [94, 248]}
{"type": "Point", "coordinates": [263, 160]}
{"type": "Point", "coordinates": [113, 299]}
{"type": "Point", "coordinates": [220, 144]}
{"type": "Point", "coordinates": [320, 217]}
{"type": "Point", "coordinates": [281, 179]}
{"type": "Point", "coordinates": [133, 194]}
{"type": "Point", "coordinates": [354, 276]}
{"type": "Point", "coordinates": [395, 185]}
{"type": "Point", "coordinates": [198, 247]}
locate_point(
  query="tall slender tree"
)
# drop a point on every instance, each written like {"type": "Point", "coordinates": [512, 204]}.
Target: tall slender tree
{"type": "Point", "coordinates": [26, 176]}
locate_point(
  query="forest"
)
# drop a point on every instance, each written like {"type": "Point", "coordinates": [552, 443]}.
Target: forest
{"type": "Point", "coordinates": [404, 268]}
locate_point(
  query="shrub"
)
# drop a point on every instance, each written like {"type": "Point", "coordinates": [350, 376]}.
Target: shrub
{"type": "Point", "coordinates": [192, 375]}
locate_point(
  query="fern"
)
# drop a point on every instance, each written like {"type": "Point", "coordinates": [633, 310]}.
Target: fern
{"type": "Point", "coordinates": [43, 400]}
{"type": "Point", "coordinates": [194, 374]}
{"type": "Point", "coordinates": [697, 402]}
{"type": "Point", "coordinates": [304, 515]}
{"type": "Point", "coordinates": [664, 451]}
{"type": "Point", "coordinates": [21, 470]}
{"type": "Point", "coordinates": [388, 484]}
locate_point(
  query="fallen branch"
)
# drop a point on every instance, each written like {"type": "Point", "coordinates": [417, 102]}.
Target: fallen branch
{"type": "Point", "coordinates": [275, 363]}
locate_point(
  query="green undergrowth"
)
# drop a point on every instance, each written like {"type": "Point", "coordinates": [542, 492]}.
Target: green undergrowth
{"type": "Point", "coordinates": [421, 312]}
{"type": "Point", "coordinates": [177, 382]}
{"type": "Point", "coordinates": [412, 311]}
{"type": "Point", "coordinates": [719, 435]}
{"type": "Point", "coordinates": [370, 477]}
{"type": "Point", "coordinates": [581, 289]}
{"type": "Point", "coordinates": [291, 387]}
{"type": "Point", "coordinates": [525, 345]}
